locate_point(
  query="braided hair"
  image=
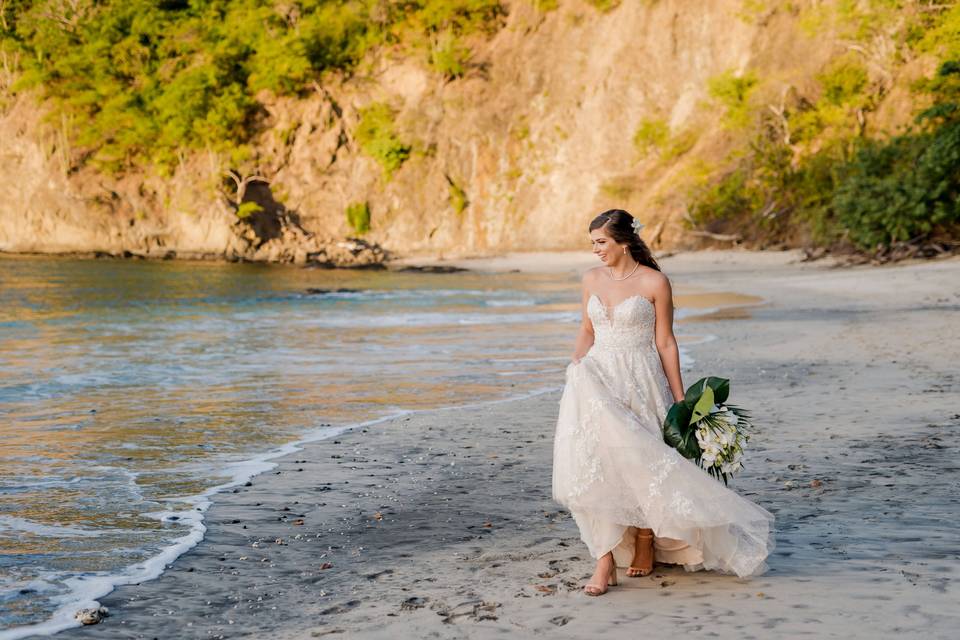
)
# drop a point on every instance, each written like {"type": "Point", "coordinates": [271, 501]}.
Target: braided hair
{"type": "Point", "coordinates": [619, 226]}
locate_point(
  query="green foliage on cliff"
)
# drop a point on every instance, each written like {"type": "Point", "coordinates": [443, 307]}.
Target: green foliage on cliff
{"type": "Point", "coordinates": [138, 81]}
{"type": "Point", "coordinates": [378, 138]}
{"type": "Point", "coordinates": [358, 217]}
{"type": "Point", "coordinates": [808, 166]}
{"type": "Point", "coordinates": [449, 56]}
{"type": "Point", "coordinates": [458, 197]}
{"type": "Point", "coordinates": [733, 91]}
{"type": "Point", "coordinates": [247, 209]}
{"type": "Point", "coordinates": [651, 135]}
{"type": "Point", "coordinates": [605, 5]}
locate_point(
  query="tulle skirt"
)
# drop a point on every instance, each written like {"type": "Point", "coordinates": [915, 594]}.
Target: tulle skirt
{"type": "Point", "coordinates": [614, 473]}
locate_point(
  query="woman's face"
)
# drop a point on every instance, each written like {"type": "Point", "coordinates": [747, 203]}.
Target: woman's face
{"type": "Point", "coordinates": [604, 247]}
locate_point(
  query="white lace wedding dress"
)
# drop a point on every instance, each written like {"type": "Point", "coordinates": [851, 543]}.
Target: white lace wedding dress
{"type": "Point", "coordinates": [614, 472]}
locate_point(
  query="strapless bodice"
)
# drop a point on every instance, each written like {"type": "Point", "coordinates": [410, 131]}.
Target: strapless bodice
{"type": "Point", "coordinates": [628, 326]}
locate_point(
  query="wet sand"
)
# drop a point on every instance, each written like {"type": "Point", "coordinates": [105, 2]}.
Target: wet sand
{"type": "Point", "coordinates": [440, 524]}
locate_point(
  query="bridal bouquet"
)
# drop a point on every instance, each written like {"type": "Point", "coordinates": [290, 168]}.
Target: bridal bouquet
{"type": "Point", "coordinates": [704, 429]}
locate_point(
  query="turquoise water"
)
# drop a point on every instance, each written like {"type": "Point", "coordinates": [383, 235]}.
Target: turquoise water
{"type": "Point", "coordinates": [130, 392]}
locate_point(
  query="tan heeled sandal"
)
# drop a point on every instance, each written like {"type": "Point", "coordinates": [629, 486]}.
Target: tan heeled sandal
{"type": "Point", "coordinates": [595, 590]}
{"type": "Point", "coordinates": [642, 564]}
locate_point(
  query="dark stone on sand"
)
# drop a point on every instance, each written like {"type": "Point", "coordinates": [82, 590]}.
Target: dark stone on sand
{"type": "Point", "coordinates": [432, 268]}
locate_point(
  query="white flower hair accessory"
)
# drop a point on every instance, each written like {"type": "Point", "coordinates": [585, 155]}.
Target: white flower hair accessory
{"type": "Point", "coordinates": [637, 226]}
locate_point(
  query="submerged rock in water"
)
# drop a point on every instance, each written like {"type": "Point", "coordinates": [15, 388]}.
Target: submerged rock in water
{"type": "Point", "coordinates": [91, 616]}
{"type": "Point", "coordinates": [316, 291]}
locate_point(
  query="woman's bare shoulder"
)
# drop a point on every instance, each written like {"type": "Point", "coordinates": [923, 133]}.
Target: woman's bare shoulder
{"type": "Point", "coordinates": [591, 274]}
{"type": "Point", "coordinates": [657, 282]}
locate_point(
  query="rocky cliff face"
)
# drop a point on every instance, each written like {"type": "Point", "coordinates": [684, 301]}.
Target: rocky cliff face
{"type": "Point", "coordinates": [518, 154]}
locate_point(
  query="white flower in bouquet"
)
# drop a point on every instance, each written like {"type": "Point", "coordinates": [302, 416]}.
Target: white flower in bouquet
{"type": "Point", "coordinates": [730, 467]}
{"type": "Point", "coordinates": [721, 435]}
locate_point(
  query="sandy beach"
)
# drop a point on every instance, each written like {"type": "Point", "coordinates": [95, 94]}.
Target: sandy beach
{"type": "Point", "coordinates": [440, 524]}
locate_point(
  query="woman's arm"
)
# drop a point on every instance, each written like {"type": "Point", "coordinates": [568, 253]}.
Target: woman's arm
{"type": "Point", "coordinates": [666, 342]}
{"type": "Point", "coordinates": [585, 335]}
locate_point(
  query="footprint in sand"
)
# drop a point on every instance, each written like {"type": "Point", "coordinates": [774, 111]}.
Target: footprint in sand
{"type": "Point", "coordinates": [413, 603]}
{"type": "Point", "coordinates": [340, 608]}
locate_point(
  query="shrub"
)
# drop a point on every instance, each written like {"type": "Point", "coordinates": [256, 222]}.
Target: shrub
{"type": "Point", "coordinates": [908, 186]}
{"type": "Point", "coordinates": [449, 56]}
{"type": "Point", "coordinates": [843, 81]}
{"type": "Point", "coordinates": [247, 209]}
{"type": "Point", "coordinates": [376, 136]}
{"type": "Point", "coordinates": [652, 134]}
{"type": "Point", "coordinates": [458, 197]}
{"type": "Point", "coordinates": [679, 144]}
{"type": "Point", "coordinates": [733, 92]}
{"type": "Point", "coordinates": [722, 200]}
{"type": "Point", "coordinates": [358, 217]}
{"type": "Point", "coordinates": [605, 5]}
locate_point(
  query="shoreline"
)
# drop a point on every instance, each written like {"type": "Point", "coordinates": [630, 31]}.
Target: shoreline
{"type": "Point", "coordinates": [242, 472]}
{"type": "Point", "coordinates": [552, 261]}
{"type": "Point", "coordinates": [485, 609]}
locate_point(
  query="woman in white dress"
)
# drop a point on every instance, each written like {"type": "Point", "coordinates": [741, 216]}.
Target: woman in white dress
{"type": "Point", "coordinates": [634, 497]}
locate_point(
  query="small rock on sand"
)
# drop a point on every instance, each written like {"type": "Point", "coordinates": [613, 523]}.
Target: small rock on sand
{"type": "Point", "coordinates": [91, 616]}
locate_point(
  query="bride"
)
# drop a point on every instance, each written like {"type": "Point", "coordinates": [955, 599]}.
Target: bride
{"type": "Point", "coordinates": [635, 498]}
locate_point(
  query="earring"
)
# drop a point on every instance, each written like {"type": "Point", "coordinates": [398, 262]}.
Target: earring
{"type": "Point", "coordinates": [624, 251]}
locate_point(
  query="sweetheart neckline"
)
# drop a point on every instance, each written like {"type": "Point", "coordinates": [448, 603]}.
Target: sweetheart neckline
{"type": "Point", "coordinates": [606, 309]}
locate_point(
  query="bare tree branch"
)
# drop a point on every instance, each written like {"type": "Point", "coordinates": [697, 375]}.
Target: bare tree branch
{"type": "Point", "coordinates": [722, 237]}
{"type": "Point", "coordinates": [780, 112]}
{"type": "Point", "coordinates": [242, 183]}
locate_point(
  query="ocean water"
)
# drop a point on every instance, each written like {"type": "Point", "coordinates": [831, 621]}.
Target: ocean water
{"type": "Point", "coordinates": [132, 392]}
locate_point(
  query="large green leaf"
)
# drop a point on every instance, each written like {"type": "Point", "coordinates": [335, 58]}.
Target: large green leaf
{"type": "Point", "coordinates": [703, 406]}
{"type": "Point", "coordinates": [721, 389]}
{"type": "Point", "coordinates": [689, 448]}
{"type": "Point", "coordinates": [693, 392]}
{"type": "Point", "coordinates": [720, 386]}
{"type": "Point", "coordinates": [677, 424]}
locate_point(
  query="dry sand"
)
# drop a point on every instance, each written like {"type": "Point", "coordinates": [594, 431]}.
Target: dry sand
{"type": "Point", "coordinates": [440, 524]}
